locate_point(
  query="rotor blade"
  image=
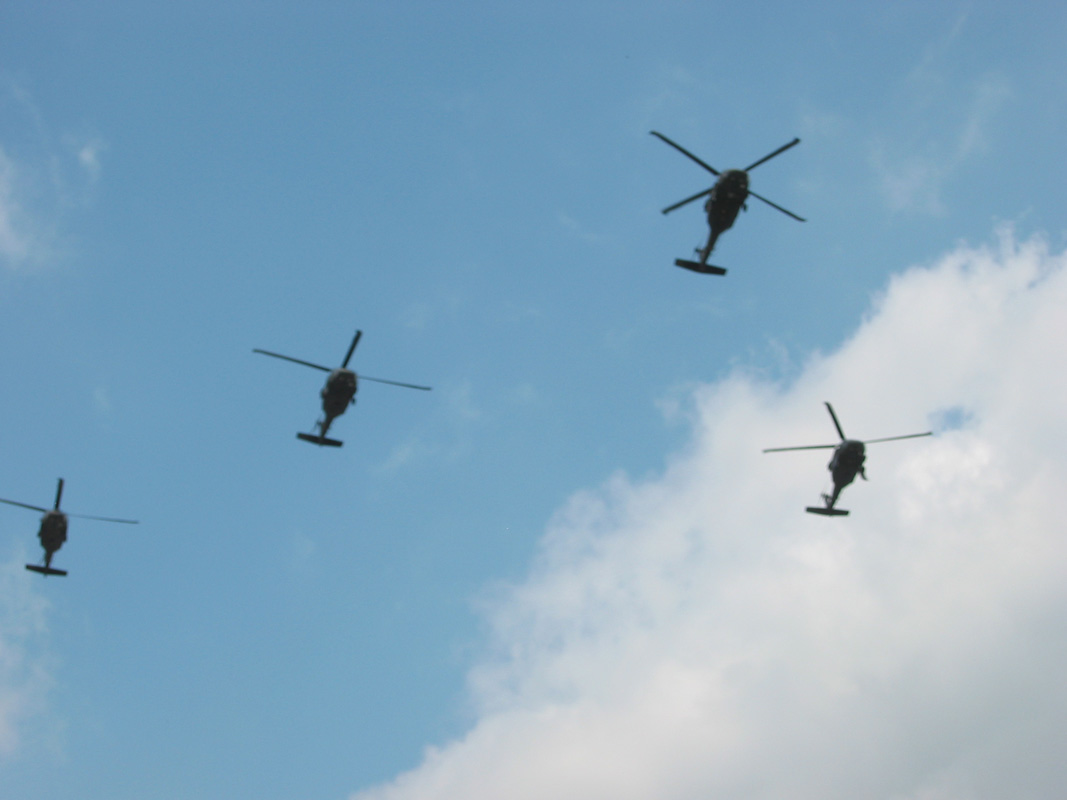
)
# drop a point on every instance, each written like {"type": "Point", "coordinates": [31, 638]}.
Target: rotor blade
{"type": "Point", "coordinates": [894, 438]}
{"type": "Point", "coordinates": [669, 209]}
{"type": "Point", "coordinates": [351, 349]}
{"type": "Point", "coordinates": [363, 377]}
{"type": "Point", "coordinates": [24, 505]}
{"type": "Point", "coordinates": [685, 152]}
{"type": "Point", "coordinates": [837, 424]}
{"type": "Point", "coordinates": [59, 494]}
{"type": "Point", "coordinates": [806, 447]}
{"type": "Point", "coordinates": [775, 205]}
{"type": "Point", "coordinates": [104, 519]}
{"type": "Point", "coordinates": [294, 360]}
{"type": "Point", "coordinates": [777, 152]}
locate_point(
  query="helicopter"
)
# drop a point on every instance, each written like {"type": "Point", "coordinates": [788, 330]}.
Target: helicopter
{"type": "Point", "coordinates": [846, 463]}
{"type": "Point", "coordinates": [338, 393]}
{"type": "Point", "coordinates": [54, 530]}
{"type": "Point", "coordinates": [725, 199]}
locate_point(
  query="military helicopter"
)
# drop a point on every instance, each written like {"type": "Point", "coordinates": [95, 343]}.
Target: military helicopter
{"type": "Point", "coordinates": [338, 393]}
{"type": "Point", "coordinates": [845, 464]}
{"type": "Point", "coordinates": [54, 530]}
{"type": "Point", "coordinates": [725, 199]}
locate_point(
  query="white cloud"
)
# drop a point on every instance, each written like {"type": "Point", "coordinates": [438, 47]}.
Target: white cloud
{"type": "Point", "coordinates": [697, 635]}
{"type": "Point", "coordinates": [914, 168]}
{"type": "Point", "coordinates": [89, 157]}
{"type": "Point", "coordinates": [41, 178]}
{"type": "Point", "coordinates": [15, 240]}
{"type": "Point", "coordinates": [939, 122]}
{"type": "Point", "coordinates": [407, 452]}
{"type": "Point", "coordinates": [25, 677]}
{"type": "Point", "coordinates": [578, 229]}
{"type": "Point", "coordinates": [461, 403]}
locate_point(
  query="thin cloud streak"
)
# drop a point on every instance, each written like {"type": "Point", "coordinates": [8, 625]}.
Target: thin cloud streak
{"type": "Point", "coordinates": [14, 239]}
{"type": "Point", "coordinates": [697, 635]}
{"type": "Point", "coordinates": [25, 675]}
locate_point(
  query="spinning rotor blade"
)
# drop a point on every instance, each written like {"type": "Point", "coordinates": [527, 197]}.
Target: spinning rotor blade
{"type": "Point", "coordinates": [24, 505]}
{"type": "Point", "coordinates": [104, 519]}
{"type": "Point", "coordinates": [394, 383]}
{"type": "Point", "coordinates": [837, 424]}
{"type": "Point", "coordinates": [775, 205]}
{"type": "Point", "coordinates": [351, 350]}
{"type": "Point", "coordinates": [685, 152]}
{"type": "Point", "coordinates": [294, 360]}
{"type": "Point", "coordinates": [669, 209]}
{"type": "Point", "coordinates": [806, 447]}
{"type": "Point", "coordinates": [779, 151]}
{"type": "Point", "coordinates": [59, 494]}
{"type": "Point", "coordinates": [894, 438]}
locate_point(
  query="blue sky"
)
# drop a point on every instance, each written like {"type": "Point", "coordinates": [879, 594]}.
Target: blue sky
{"type": "Point", "coordinates": [474, 187]}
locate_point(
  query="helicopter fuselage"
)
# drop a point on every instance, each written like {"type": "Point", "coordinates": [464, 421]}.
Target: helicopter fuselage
{"type": "Point", "coordinates": [725, 201]}
{"type": "Point", "coordinates": [845, 464]}
{"type": "Point", "coordinates": [337, 395]}
{"type": "Point", "coordinates": [53, 533]}
{"type": "Point", "coordinates": [727, 197]}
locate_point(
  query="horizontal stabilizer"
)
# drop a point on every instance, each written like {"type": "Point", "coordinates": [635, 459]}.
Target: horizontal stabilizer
{"type": "Point", "coordinates": [320, 440]}
{"type": "Point", "coordinates": [696, 266]}
{"type": "Point", "coordinates": [827, 512]}
{"type": "Point", "coordinates": [45, 570]}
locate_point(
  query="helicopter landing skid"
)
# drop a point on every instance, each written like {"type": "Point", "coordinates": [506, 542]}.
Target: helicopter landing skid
{"type": "Point", "coordinates": [319, 440]}
{"type": "Point", "coordinates": [827, 512]}
{"type": "Point", "coordinates": [45, 570]}
{"type": "Point", "coordinates": [696, 266]}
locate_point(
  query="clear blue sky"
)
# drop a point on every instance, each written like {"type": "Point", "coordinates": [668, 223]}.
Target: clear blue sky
{"type": "Point", "coordinates": [472, 185]}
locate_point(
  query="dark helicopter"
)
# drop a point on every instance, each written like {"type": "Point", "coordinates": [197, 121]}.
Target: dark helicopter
{"type": "Point", "coordinates": [845, 464]}
{"type": "Point", "coordinates": [338, 393]}
{"type": "Point", "coordinates": [54, 530]}
{"type": "Point", "coordinates": [725, 199]}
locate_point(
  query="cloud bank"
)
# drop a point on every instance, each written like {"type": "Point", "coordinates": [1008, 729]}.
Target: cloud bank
{"type": "Point", "coordinates": [696, 635]}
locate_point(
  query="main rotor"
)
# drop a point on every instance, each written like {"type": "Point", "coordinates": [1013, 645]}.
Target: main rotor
{"type": "Point", "coordinates": [344, 365]}
{"type": "Point", "coordinates": [841, 433]}
{"type": "Point", "coordinates": [717, 174]}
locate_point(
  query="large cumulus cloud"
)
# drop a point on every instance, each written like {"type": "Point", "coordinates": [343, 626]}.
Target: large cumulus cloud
{"type": "Point", "coordinates": [697, 635]}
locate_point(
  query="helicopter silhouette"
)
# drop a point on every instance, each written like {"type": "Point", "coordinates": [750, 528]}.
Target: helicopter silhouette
{"type": "Point", "coordinates": [338, 393]}
{"type": "Point", "coordinates": [725, 199]}
{"type": "Point", "coordinates": [54, 530]}
{"type": "Point", "coordinates": [846, 463]}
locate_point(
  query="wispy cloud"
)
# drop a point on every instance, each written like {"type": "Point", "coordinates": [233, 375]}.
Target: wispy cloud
{"type": "Point", "coordinates": [697, 635]}
{"type": "Point", "coordinates": [41, 178]}
{"type": "Point", "coordinates": [409, 451]}
{"type": "Point", "coordinates": [25, 675]}
{"type": "Point", "coordinates": [16, 239]}
{"type": "Point", "coordinates": [578, 229]}
{"type": "Point", "coordinates": [89, 154]}
{"type": "Point", "coordinates": [914, 166]}
{"type": "Point", "coordinates": [940, 123]}
{"type": "Point", "coordinates": [422, 314]}
{"type": "Point", "coordinates": [461, 402]}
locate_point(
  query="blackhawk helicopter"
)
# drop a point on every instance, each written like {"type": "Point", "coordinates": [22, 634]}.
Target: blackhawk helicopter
{"type": "Point", "coordinates": [725, 199]}
{"type": "Point", "coordinates": [338, 393]}
{"type": "Point", "coordinates": [54, 530]}
{"type": "Point", "coordinates": [845, 464]}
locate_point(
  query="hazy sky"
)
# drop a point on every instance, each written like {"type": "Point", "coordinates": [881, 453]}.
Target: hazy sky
{"type": "Point", "coordinates": [568, 571]}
